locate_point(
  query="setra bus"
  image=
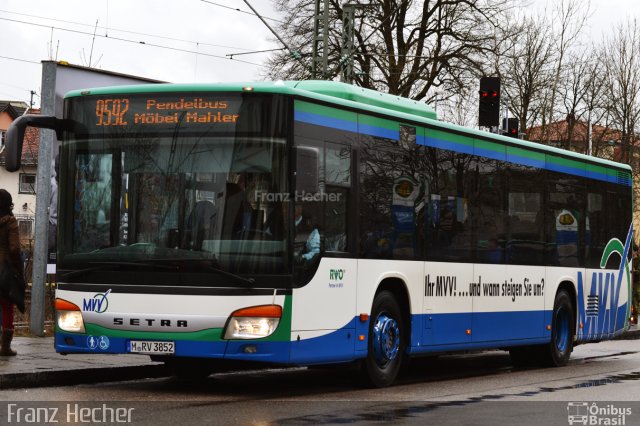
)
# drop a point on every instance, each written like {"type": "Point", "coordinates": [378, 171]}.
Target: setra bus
{"type": "Point", "coordinates": [314, 222]}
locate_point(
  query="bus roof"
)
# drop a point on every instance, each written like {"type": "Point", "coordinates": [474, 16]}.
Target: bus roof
{"type": "Point", "coordinates": [349, 96]}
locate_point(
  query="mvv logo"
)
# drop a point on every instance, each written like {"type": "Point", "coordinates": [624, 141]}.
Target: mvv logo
{"type": "Point", "coordinates": [98, 303]}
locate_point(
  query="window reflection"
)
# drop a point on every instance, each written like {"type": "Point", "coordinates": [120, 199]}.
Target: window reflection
{"type": "Point", "coordinates": [201, 197]}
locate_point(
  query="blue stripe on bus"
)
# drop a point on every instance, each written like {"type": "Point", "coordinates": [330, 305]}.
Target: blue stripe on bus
{"type": "Point", "coordinates": [489, 153]}
{"type": "Point", "coordinates": [78, 343]}
{"type": "Point", "coordinates": [603, 176]}
{"type": "Point", "coordinates": [256, 350]}
{"type": "Point", "coordinates": [379, 132]}
{"type": "Point", "coordinates": [320, 120]}
{"type": "Point", "coordinates": [566, 169]}
{"type": "Point", "coordinates": [431, 333]}
{"type": "Point", "coordinates": [526, 161]}
{"type": "Point", "coordinates": [484, 327]}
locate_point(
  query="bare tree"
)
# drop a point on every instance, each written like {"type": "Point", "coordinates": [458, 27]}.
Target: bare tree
{"type": "Point", "coordinates": [404, 47]}
{"type": "Point", "coordinates": [621, 61]}
{"type": "Point", "coordinates": [568, 19]}
{"type": "Point", "coordinates": [526, 69]}
{"type": "Point", "coordinates": [580, 93]}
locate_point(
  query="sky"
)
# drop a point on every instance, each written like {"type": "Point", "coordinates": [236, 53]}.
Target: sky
{"type": "Point", "coordinates": [174, 41]}
{"type": "Point", "coordinates": [195, 37]}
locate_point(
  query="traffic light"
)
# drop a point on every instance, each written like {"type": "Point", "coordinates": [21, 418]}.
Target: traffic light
{"type": "Point", "coordinates": [489, 102]}
{"type": "Point", "coordinates": [510, 127]}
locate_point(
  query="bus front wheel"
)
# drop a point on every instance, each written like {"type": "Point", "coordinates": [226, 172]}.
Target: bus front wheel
{"type": "Point", "coordinates": [387, 341]}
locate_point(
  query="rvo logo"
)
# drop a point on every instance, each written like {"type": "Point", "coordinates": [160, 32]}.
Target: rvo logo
{"type": "Point", "coordinates": [336, 274]}
{"type": "Point", "coordinates": [98, 303]}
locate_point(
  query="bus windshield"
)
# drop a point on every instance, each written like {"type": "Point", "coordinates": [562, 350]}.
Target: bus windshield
{"type": "Point", "coordinates": [154, 190]}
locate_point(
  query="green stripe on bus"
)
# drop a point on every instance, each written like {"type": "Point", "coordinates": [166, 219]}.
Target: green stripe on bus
{"type": "Point", "coordinates": [525, 153]}
{"type": "Point", "coordinates": [449, 137]}
{"type": "Point", "coordinates": [325, 111]}
{"type": "Point", "coordinates": [565, 162]}
{"type": "Point", "coordinates": [592, 168]}
{"type": "Point", "coordinates": [379, 122]}
{"type": "Point", "coordinates": [208, 335]}
{"type": "Point", "coordinates": [282, 333]}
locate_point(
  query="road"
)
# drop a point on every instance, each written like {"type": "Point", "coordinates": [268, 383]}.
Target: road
{"type": "Point", "coordinates": [478, 388]}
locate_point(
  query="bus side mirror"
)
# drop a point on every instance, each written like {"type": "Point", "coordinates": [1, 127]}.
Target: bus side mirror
{"type": "Point", "coordinates": [307, 169]}
{"type": "Point", "coordinates": [14, 137]}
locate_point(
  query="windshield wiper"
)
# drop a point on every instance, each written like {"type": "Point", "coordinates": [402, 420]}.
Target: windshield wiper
{"type": "Point", "coordinates": [242, 280]}
{"type": "Point", "coordinates": [208, 264]}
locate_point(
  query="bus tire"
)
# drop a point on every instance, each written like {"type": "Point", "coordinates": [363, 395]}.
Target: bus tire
{"type": "Point", "coordinates": [557, 353]}
{"type": "Point", "coordinates": [387, 341]}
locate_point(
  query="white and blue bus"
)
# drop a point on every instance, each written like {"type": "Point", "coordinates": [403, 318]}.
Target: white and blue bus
{"type": "Point", "coordinates": [314, 222]}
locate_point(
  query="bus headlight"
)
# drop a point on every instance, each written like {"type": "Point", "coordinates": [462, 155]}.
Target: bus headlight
{"type": "Point", "coordinates": [253, 323]}
{"type": "Point", "coordinates": [69, 317]}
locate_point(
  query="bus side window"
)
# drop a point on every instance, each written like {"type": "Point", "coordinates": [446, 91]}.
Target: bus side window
{"type": "Point", "coordinates": [323, 180]}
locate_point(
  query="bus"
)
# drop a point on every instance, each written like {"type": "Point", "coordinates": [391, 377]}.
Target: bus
{"type": "Point", "coordinates": [308, 223]}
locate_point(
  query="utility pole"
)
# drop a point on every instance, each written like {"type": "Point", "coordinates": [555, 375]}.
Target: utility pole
{"type": "Point", "coordinates": [43, 183]}
{"type": "Point", "coordinates": [348, 33]}
{"type": "Point", "coordinates": [320, 61]}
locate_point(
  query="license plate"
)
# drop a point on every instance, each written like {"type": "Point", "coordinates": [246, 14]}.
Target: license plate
{"type": "Point", "coordinates": [152, 347]}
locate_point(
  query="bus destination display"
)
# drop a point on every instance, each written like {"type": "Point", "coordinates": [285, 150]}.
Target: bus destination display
{"type": "Point", "coordinates": [152, 111]}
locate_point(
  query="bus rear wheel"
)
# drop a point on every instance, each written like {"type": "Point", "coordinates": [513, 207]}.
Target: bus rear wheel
{"type": "Point", "coordinates": [557, 353]}
{"type": "Point", "coordinates": [387, 341]}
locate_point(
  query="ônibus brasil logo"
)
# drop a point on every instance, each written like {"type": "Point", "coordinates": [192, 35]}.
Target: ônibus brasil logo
{"type": "Point", "coordinates": [98, 303]}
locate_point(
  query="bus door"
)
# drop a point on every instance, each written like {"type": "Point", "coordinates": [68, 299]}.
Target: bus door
{"type": "Point", "coordinates": [447, 304]}
{"type": "Point", "coordinates": [448, 272]}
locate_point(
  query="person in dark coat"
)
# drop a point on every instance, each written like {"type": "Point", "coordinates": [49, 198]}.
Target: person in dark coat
{"type": "Point", "coordinates": [9, 257]}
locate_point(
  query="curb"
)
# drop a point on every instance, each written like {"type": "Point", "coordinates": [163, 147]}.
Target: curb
{"type": "Point", "coordinates": [81, 376]}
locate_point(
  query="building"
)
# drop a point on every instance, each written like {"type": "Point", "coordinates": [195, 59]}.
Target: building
{"type": "Point", "coordinates": [605, 143]}
{"type": "Point", "coordinates": [574, 136]}
{"type": "Point", "coordinates": [21, 185]}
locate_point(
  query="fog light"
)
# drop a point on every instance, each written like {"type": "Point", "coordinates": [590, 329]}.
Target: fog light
{"type": "Point", "coordinates": [250, 349]}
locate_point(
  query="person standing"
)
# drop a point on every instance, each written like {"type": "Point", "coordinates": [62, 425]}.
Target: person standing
{"type": "Point", "coordinates": [9, 257]}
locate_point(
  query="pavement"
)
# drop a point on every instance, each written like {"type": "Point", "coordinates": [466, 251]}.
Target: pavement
{"type": "Point", "coordinates": [37, 365]}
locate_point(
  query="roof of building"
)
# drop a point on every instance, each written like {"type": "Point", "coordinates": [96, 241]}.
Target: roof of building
{"type": "Point", "coordinates": [559, 131]}
{"type": "Point", "coordinates": [31, 143]}
{"type": "Point", "coordinates": [5, 106]}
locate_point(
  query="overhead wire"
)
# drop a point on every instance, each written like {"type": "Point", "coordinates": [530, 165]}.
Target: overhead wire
{"type": "Point", "coordinates": [240, 10]}
{"type": "Point", "coordinates": [20, 60]}
{"type": "Point", "coordinates": [140, 42]}
{"type": "Point", "coordinates": [106, 28]}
